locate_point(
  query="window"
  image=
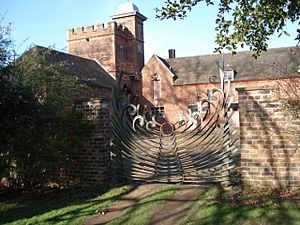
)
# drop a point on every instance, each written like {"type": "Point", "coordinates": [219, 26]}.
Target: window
{"type": "Point", "coordinates": [234, 106]}
{"type": "Point", "coordinates": [140, 48]}
{"type": "Point", "coordinates": [193, 108]}
{"type": "Point", "coordinates": [139, 31]}
{"type": "Point", "coordinates": [121, 53]}
{"type": "Point", "coordinates": [158, 111]}
{"type": "Point", "coordinates": [229, 75]}
{"type": "Point", "coordinates": [156, 87]}
{"type": "Point", "coordinates": [196, 107]}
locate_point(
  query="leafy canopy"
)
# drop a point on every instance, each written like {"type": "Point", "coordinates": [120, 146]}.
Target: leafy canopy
{"type": "Point", "coordinates": [38, 135]}
{"type": "Point", "coordinates": [242, 22]}
{"type": "Point", "coordinates": [6, 44]}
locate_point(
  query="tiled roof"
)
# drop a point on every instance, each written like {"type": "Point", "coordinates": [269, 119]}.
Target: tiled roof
{"type": "Point", "coordinates": [84, 69]}
{"type": "Point", "coordinates": [275, 63]}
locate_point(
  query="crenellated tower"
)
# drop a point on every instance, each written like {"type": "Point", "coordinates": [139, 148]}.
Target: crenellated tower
{"type": "Point", "coordinates": [118, 46]}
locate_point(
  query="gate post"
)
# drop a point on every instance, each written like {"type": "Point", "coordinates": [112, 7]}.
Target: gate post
{"type": "Point", "coordinates": [268, 138]}
{"type": "Point", "coordinates": [94, 156]}
{"type": "Point", "coordinates": [91, 161]}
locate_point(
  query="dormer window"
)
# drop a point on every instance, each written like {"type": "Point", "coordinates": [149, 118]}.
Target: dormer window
{"type": "Point", "coordinates": [229, 75]}
{"type": "Point", "coordinates": [156, 87]}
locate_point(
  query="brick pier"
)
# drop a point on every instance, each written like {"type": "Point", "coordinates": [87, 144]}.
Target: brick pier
{"type": "Point", "coordinates": [270, 139]}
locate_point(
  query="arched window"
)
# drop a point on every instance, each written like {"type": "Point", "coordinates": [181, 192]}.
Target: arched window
{"type": "Point", "coordinates": [156, 87]}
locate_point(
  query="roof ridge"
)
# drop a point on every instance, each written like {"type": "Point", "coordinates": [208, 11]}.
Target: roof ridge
{"type": "Point", "coordinates": [229, 53]}
{"type": "Point", "coordinates": [60, 52]}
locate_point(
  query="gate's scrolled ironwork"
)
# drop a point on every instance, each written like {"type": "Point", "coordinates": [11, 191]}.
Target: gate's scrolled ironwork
{"type": "Point", "coordinates": [198, 149]}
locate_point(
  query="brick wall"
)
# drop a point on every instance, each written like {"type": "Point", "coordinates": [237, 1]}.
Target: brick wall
{"type": "Point", "coordinates": [92, 92]}
{"type": "Point", "coordinates": [269, 139]}
{"type": "Point", "coordinates": [133, 58]}
{"type": "Point", "coordinates": [91, 161]}
{"type": "Point", "coordinates": [94, 42]}
{"type": "Point", "coordinates": [118, 45]}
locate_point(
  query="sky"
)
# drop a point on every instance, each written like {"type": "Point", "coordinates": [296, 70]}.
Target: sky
{"type": "Point", "coordinates": [44, 22]}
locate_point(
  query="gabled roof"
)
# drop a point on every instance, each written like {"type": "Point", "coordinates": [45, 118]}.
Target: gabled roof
{"type": "Point", "coordinates": [154, 60]}
{"type": "Point", "coordinates": [167, 65]}
{"type": "Point", "coordinates": [87, 70]}
{"type": "Point", "coordinates": [275, 63]}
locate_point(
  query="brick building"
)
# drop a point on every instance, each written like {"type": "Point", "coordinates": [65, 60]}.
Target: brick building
{"type": "Point", "coordinates": [269, 137]}
{"type": "Point", "coordinates": [118, 45]}
{"type": "Point", "coordinates": [170, 87]}
{"type": "Point", "coordinates": [167, 86]}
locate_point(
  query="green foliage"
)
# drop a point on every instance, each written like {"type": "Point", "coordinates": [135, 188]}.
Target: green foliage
{"type": "Point", "coordinates": [49, 80]}
{"type": "Point", "coordinates": [242, 22]}
{"type": "Point", "coordinates": [290, 96]}
{"type": "Point", "coordinates": [6, 50]}
{"type": "Point", "coordinates": [38, 135]}
{"type": "Point", "coordinates": [37, 140]}
{"type": "Point", "coordinates": [293, 107]}
{"type": "Point", "coordinates": [18, 109]}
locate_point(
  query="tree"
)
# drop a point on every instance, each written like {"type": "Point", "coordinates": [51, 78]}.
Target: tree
{"type": "Point", "coordinates": [242, 22]}
{"type": "Point", "coordinates": [37, 136]}
{"type": "Point", "coordinates": [19, 109]}
{"type": "Point", "coordinates": [6, 44]}
{"type": "Point", "coordinates": [49, 80]}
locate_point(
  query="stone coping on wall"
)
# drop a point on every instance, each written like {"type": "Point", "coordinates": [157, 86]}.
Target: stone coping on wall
{"type": "Point", "coordinates": [256, 88]}
{"type": "Point", "coordinates": [100, 99]}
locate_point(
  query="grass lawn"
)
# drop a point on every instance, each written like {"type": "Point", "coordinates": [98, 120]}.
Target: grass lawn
{"type": "Point", "coordinates": [62, 208]}
{"type": "Point", "coordinates": [212, 209]}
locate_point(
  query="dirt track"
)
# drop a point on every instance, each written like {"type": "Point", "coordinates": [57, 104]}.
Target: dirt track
{"type": "Point", "coordinates": [170, 213]}
{"type": "Point", "coordinates": [177, 207]}
{"type": "Point", "coordinates": [115, 209]}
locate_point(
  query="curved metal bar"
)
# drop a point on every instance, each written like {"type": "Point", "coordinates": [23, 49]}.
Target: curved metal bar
{"type": "Point", "coordinates": [200, 152]}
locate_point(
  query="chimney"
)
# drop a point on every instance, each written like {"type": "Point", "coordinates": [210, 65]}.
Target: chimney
{"type": "Point", "coordinates": [172, 53]}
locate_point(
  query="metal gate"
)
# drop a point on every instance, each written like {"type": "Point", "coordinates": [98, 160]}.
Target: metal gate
{"type": "Point", "coordinates": [198, 149]}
